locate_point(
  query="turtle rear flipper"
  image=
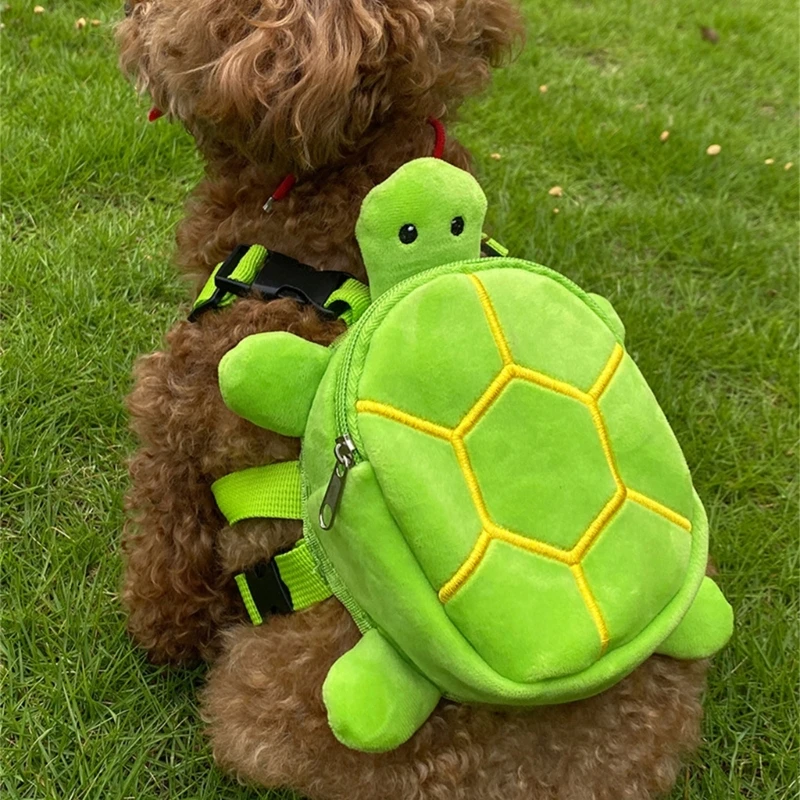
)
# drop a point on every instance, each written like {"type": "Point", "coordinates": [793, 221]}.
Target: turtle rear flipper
{"type": "Point", "coordinates": [705, 629]}
{"type": "Point", "coordinates": [375, 699]}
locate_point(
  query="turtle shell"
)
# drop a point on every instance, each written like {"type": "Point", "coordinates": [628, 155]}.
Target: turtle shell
{"type": "Point", "coordinates": [529, 467]}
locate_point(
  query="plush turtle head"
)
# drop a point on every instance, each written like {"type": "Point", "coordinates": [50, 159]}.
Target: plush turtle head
{"type": "Point", "coordinates": [426, 214]}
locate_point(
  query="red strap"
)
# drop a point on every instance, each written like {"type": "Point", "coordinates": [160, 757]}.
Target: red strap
{"type": "Point", "coordinates": [438, 146]}
{"type": "Point", "coordinates": [284, 188]}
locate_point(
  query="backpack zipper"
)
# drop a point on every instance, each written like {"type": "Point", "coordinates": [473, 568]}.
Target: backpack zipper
{"type": "Point", "coordinates": [345, 452]}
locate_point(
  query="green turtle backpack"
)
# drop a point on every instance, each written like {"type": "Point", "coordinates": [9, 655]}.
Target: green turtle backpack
{"type": "Point", "coordinates": [488, 484]}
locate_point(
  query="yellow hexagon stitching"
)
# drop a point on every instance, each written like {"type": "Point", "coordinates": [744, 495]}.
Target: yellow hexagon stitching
{"type": "Point", "coordinates": [491, 531]}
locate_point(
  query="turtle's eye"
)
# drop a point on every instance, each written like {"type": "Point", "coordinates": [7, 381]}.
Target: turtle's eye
{"type": "Point", "coordinates": [457, 226]}
{"type": "Point", "coordinates": [408, 233]}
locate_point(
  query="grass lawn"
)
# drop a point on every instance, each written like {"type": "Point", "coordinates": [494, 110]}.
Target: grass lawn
{"type": "Point", "coordinates": [697, 252]}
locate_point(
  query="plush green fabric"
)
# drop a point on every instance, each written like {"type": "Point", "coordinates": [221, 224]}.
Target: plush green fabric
{"type": "Point", "coordinates": [428, 380]}
{"type": "Point", "coordinates": [554, 321]}
{"type": "Point", "coordinates": [647, 453]}
{"type": "Point", "coordinates": [366, 544]}
{"type": "Point", "coordinates": [705, 629]}
{"type": "Point", "coordinates": [397, 453]}
{"type": "Point", "coordinates": [406, 198]}
{"type": "Point", "coordinates": [267, 364]}
{"type": "Point", "coordinates": [611, 316]}
{"type": "Point", "coordinates": [520, 525]}
{"type": "Point", "coordinates": [549, 443]}
{"type": "Point", "coordinates": [509, 627]}
{"type": "Point", "coordinates": [376, 700]}
{"type": "Point", "coordinates": [636, 566]}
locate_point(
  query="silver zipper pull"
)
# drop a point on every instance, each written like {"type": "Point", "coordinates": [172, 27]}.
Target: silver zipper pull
{"type": "Point", "coordinates": [344, 451]}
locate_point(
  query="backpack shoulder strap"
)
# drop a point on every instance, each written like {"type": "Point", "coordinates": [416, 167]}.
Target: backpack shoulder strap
{"type": "Point", "coordinates": [272, 491]}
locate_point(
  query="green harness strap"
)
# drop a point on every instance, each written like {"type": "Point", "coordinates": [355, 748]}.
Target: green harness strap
{"type": "Point", "coordinates": [290, 582]}
{"type": "Point", "coordinates": [299, 573]}
{"type": "Point", "coordinates": [353, 299]}
{"type": "Point", "coordinates": [272, 491]}
{"type": "Point", "coordinates": [492, 248]}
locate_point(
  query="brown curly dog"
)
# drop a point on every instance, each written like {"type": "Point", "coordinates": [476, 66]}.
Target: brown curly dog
{"type": "Point", "coordinates": [338, 93]}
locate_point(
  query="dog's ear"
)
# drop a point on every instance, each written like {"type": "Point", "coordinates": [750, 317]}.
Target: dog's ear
{"type": "Point", "coordinates": [500, 29]}
{"type": "Point", "coordinates": [473, 37]}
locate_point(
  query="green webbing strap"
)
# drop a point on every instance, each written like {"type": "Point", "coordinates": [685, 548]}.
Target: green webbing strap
{"type": "Point", "coordinates": [290, 582]}
{"type": "Point", "coordinates": [208, 290]}
{"type": "Point", "coordinates": [491, 247]}
{"type": "Point", "coordinates": [348, 302]}
{"type": "Point", "coordinates": [245, 271]}
{"type": "Point", "coordinates": [271, 491]}
{"type": "Point", "coordinates": [354, 295]}
{"type": "Point", "coordinates": [264, 589]}
{"type": "Point", "coordinates": [249, 602]}
{"type": "Point", "coordinates": [300, 575]}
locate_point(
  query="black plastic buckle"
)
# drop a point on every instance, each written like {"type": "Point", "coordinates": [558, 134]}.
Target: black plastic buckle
{"type": "Point", "coordinates": [283, 276]}
{"type": "Point", "coordinates": [270, 594]}
{"type": "Point", "coordinates": [279, 276]}
{"type": "Point", "coordinates": [223, 281]}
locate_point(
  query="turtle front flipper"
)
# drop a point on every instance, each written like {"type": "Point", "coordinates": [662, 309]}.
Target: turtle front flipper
{"type": "Point", "coordinates": [705, 629]}
{"type": "Point", "coordinates": [375, 699]}
{"type": "Point", "coordinates": [271, 380]}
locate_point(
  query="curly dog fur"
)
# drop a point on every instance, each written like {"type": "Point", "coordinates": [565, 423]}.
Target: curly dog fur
{"type": "Point", "coordinates": [337, 92]}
